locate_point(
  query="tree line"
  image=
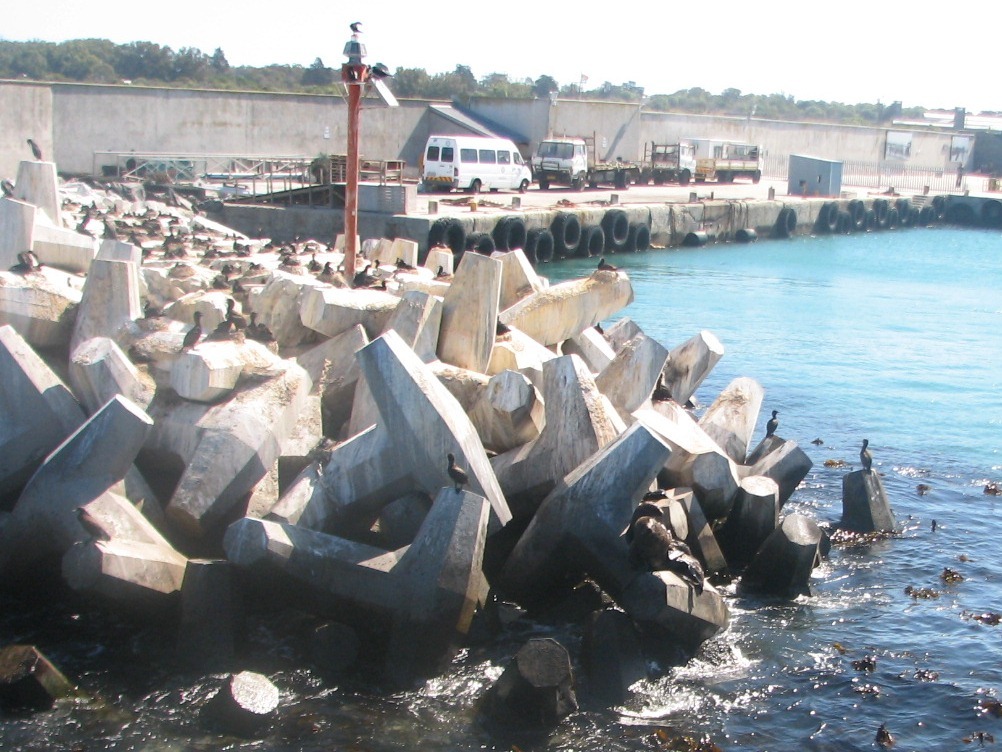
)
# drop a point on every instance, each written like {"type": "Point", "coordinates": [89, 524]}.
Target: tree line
{"type": "Point", "coordinates": [147, 63]}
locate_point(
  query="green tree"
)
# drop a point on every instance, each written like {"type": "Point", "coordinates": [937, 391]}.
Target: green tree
{"type": "Point", "coordinates": [218, 61]}
{"type": "Point", "coordinates": [318, 74]}
{"type": "Point", "coordinates": [543, 85]}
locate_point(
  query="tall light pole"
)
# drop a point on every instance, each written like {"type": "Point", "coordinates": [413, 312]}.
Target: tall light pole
{"type": "Point", "coordinates": [354, 75]}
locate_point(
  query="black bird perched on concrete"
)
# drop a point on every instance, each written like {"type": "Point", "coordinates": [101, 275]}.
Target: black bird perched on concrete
{"type": "Point", "coordinates": [91, 525]}
{"type": "Point", "coordinates": [772, 425]}
{"type": "Point", "coordinates": [314, 265]}
{"type": "Point", "coordinates": [604, 267]}
{"type": "Point", "coordinates": [379, 71]}
{"type": "Point", "coordinates": [194, 334]}
{"type": "Point", "coordinates": [36, 152]}
{"type": "Point", "coordinates": [7, 187]}
{"type": "Point", "coordinates": [458, 475]}
{"type": "Point", "coordinates": [27, 263]}
{"type": "Point", "coordinates": [403, 266]}
{"type": "Point", "coordinates": [354, 27]}
{"type": "Point", "coordinates": [442, 273]}
{"type": "Point", "coordinates": [865, 457]}
{"type": "Point", "coordinates": [237, 320]}
{"type": "Point", "coordinates": [363, 278]}
{"type": "Point", "coordinates": [661, 392]}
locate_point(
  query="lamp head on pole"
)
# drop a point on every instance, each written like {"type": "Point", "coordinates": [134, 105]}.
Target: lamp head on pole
{"type": "Point", "coordinates": [354, 71]}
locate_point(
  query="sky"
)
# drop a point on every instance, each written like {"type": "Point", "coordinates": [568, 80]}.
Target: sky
{"type": "Point", "coordinates": [851, 51]}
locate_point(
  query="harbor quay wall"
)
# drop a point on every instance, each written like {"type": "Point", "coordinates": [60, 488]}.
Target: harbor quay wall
{"type": "Point", "coordinates": [671, 225]}
{"type": "Point", "coordinates": [73, 123]}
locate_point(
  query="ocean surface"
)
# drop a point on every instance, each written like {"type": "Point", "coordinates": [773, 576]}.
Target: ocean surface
{"type": "Point", "coordinates": [894, 337]}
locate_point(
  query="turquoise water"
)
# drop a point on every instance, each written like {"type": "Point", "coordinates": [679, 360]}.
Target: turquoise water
{"type": "Point", "coordinates": [887, 336]}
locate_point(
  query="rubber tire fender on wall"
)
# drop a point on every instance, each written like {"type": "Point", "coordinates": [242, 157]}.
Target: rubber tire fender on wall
{"type": "Point", "coordinates": [592, 242]}
{"type": "Point", "coordinates": [566, 229]}
{"type": "Point", "coordinates": [786, 222]}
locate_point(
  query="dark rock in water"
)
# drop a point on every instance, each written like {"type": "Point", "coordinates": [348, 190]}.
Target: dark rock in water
{"type": "Point", "coordinates": [865, 508]}
{"type": "Point", "coordinates": [208, 615]}
{"type": "Point", "coordinates": [244, 704]}
{"type": "Point", "coordinates": [783, 564]}
{"type": "Point", "coordinates": [752, 519]}
{"type": "Point", "coordinates": [28, 680]}
{"type": "Point", "coordinates": [536, 690]}
{"type": "Point", "coordinates": [612, 656]}
{"type": "Point", "coordinates": [334, 647]}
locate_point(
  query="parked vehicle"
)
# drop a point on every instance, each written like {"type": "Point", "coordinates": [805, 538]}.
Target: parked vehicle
{"type": "Point", "coordinates": [474, 164]}
{"type": "Point", "coordinates": [724, 161]}
{"type": "Point", "coordinates": [572, 162]}
{"type": "Point", "coordinates": [668, 163]}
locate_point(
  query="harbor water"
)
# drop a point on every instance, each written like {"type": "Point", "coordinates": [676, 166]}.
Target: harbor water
{"type": "Point", "coordinates": [891, 336]}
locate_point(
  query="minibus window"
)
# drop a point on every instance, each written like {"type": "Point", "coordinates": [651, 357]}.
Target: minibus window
{"type": "Point", "coordinates": [432, 154]}
{"type": "Point", "coordinates": [504, 157]}
{"type": "Point", "coordinates": [518, 158]}
{"type": "Point", "coordinates": [488, 156]}
{"type": "Point", "coordinates": [468, 155]}
{"type": "Point", "coordinates": [448, 154]}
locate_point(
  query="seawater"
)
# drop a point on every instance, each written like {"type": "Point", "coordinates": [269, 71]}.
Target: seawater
{"type": "Point", "coordinates": [887, 336]}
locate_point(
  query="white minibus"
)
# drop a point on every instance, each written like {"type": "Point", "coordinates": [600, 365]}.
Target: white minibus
{"type": "Point", "coordinates": [474, 164]}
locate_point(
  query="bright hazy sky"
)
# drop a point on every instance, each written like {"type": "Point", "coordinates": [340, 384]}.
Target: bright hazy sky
{"type": "Point", "coordinates": [849, 51]}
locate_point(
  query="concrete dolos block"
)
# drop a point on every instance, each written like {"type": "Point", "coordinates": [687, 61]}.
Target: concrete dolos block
{"type": "Point", "coordinates": [93, 459]}
{"type": "Point", "coordinates": [110, 303]}
{"type": "Point", "coordinates": [40, 306]}
{"type": "Point", "coordinates": [470, 313]}
{"type": "Point", "coordinates": [427, 592]}
{"type": "Point", "coordinates": [99, 370]}
{"type": "Point", "coordinates": [37, 411]}
{"type": "Point", "coordinates": [561, 311]}
{"type": "Point", "coordinates": [38, 184]}
{"type": "Point", "coordinates": [226, 449]}
{"type": "Point", "coordinates": [420, 422]}
{"type": "Point", "coordinates": [578, 526]}
{"type": "Point", "coordinates": [17, 226]}
{"type": "Point", "coordinates": [865, 508]}
{"type": "Point", "coordinates": [730, 420]}
{"type": "Point", "coordinates": [690, 363]}
{"type": "Point", "coordinates": [579, 421]}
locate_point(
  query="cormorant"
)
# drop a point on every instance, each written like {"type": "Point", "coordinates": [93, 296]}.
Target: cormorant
{"type": "Point", "coordinates": [194, 334]}
{"type": "Point", "coordinates": [7, 187]}
{"type": "Point", "coordinates": [354, 27]}
{"type": "Point", "coordinates": [379, 71]}
{"type": "Point", "coordinates": [314, 265]}
{"type": "Point", "coordinates": [36, 152]}
{"type": "Point", "coordinates": [442, 273]}
{"type": "Point", "coordinates": [661, 392]}
{"type": "Point", "coordinates": [362, 278]}
{"type": "Point", "coordinates": [604, 267]}
{"type": "Point", "coordinates": [27, 263]}
{"type": "Point", "coordinates": [91, 525]}
{"type": "Point", "coordinates": [458, 475]}
{"type": "Point", "coordinates": [238, 320]}
{"type": "Point", "coordinates": [501, 329]}
{"type": "Point", "coordinates": [865, 457]}
{"type": "Point", "coordinates": [772, 425]}
{"type": "Point", "coordinates": [884, 738]}
{"type": "Point", "coordinates": [403, 266]}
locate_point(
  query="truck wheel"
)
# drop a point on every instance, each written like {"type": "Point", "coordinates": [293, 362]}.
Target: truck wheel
{"type": "Point", "coordinates": [724, 177]}
{"type": "Point", "coordinates": [523, 187]}
{"type": "Point", "coordinates": [578, 183]}
{"type": "Point", "coordinates": [475, 186]}
{"type": "Point", "coordinates": [684, 177]}
{"type": "Point", "coordinates": [756, 176]}
{"type": "Point", "coordinates": [544, 184]}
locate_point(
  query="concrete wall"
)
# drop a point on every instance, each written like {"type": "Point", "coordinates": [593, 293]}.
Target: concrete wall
{"type": "Point", "coordinates": [73, 121]}
{"type": "Point", "coordinates": [25, 112]}
{"type": "Point", "coordinates": [780, 139]}
{"type": "Point", "coordinates": [89, 119]}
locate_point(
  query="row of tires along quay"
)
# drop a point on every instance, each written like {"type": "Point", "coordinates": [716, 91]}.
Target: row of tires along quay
{"type": "Point", "coordinates": [547, 236]}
